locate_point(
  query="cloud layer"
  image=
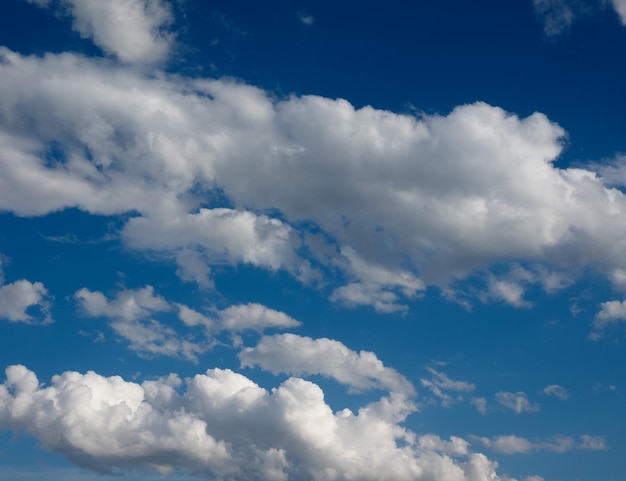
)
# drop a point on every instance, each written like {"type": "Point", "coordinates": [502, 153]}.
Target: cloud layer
{"type": "Point", "coordinates": [402, 202]}
{"type": "Point", "coordinates": [222, 425]}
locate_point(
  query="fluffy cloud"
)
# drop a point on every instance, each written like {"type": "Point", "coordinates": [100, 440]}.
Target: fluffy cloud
{"type": "Point", "coordinates": [292, 354]}
{"type": "Point", "coordinates": [223, 235]}
{"type": "Point", "coordinates": [131, 313]}
{"type": "Point", "coordinates": [611, 313]}
{"type": "Point", "coordinates": [516, 401]}
{"type": "Point", "coordinates": [512, 444]}
{"type": "Point", "coordinates": [224, 426]}
{"type": "Point", "coordinates": [135, 31]}
{"type": "Point", "coordinates": [403, 202]}
{"type": "Point", "coordinates": [18, 298]}
{"type": "Point", "coordinates": [254, 316]}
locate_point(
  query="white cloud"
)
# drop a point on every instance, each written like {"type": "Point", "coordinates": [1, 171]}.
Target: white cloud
{"type": "Point", "coordinates": [306, 19]}
{"type": "Point", "coordinates": [374, 285]}
{"type": "Point", "coordinates": [224, 235]}
{"type": "Point", "coordinates": [593, 443]}
{"type": "Point", "coordinates": [620, 8]}
{"type": "Point", "coordinates": [129, 304]}
{"type": "Point", "coordinates": [512, 444]}
{"type": "Point", "coordinates": [254, 316]}
{"type": "Point", "coordinates": [135, 31]}
{"type": "Point", "coordinates": [558, 15]}
{"type": "Point", "coordinates": [440, 383]}
{"type": "Point", "coordinates": [224, 426]}
{"type": "Point", "coordinates": [403, 202]}
{"type": "Point", "coordinates": [611, 313]}
{"type": "Point", "coordinates": [18, 299]}
{"type": "Point", "coordinates": [192, 267]}
{"type": "Point", "coordinates": [516, 401]}
{"type": "Point", "coordinates": [130, 317]}
{"type": "Point", "coordinates": [480, 403]}
{"type": "Point", "coordinates": [506, 444]}
{"type": "Point", "coordinates": [4, 260]}
{"type": "Point", "coordinates": [297, 355]}
{"type": "Point", "coordinates": [556, 390]}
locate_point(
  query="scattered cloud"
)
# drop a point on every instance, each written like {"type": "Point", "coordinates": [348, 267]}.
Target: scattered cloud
{"type": "Point", "coordinates": [512, 444]}
{"type": "Point", "coordinates": [610, 314]}
{"type": "Point", "coordinates": [298, 355]}
{"type": "Point", "coordinates": [135, 31]}
{"type": "Point", "coordinates": [440, 385]}
{"type": "Point", "coordinates": [19, 298]}
{"type": "Point", "coordinates": [131, 313]}
{"type": "Point", "coordinates": [516, 401]}
{"type": "Point", "coordinates": [480, 403]}
{"type": "Point", "coordinates": [222, 425]}
{"type": "Point", "coordinates": [306, 19]}
{"type": "Point", "coordinates": [556, 390]}
{"type": "Point", "coordinates": [557, 16]}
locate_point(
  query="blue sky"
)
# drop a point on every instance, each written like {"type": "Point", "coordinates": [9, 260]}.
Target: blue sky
{"type": "Point", "coordinates": [299, 240]}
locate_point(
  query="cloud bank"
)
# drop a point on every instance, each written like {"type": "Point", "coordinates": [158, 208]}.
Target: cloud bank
{"type": "Point", "coordinates": [221, 425]}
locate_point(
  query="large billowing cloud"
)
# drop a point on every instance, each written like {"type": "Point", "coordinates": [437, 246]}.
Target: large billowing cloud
{"type": "Point", "coordinates": [221, 426]}
{"type": "Point", "coordinates": [399, 202]}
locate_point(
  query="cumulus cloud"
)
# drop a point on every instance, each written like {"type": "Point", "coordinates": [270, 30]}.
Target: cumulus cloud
{"type": "Point", "coordinates": [131, 313]}
{"type": "Point", "coordinates": [19, 298]}
{"type": "Point", "coordinates": [254, 316]}
{"type": "Point", "coordinates": [556, 390]}
{"type": "Point", "coordinates": [610, 314]}
{"type": "Point", "coordinates": [403, 202]}
{"type": "Point", "coordinates": [516, 401]}
{"type": "Point", "coordinates": [221, 425]}
{"type": "Point", "coordinates": [374, 285]}
{"type": "Point", "coordinates": [440, 385]}
{"type": "Point", "coordinates": [135, 31]}
{"type": "Point", "coordinates": [224, 235]}
{"type": "Point", "coordinates": [512, 444]}
{"type": "Point", "coordinates": [298, 355]}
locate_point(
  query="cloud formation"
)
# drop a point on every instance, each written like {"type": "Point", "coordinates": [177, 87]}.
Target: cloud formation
{"type": "Point", "coordinates": [221, 425]}
{"type": "Point", "coordinates": [516, 401]}
{"type": "Point", "coordinates": [160, 146]}
{"type": "Point", "coordinates": [298, 355]}
{"type": "Point", "coordinates": [441, 386]}
{"type": "Point", "coordinates": [132, 313]}
{"type": "Point", "coordinates": [18, 299]}
{"type": "Point", "coordinates": [557, 391]}
{"type": "Point", "coordinates": [135, 31]}
{"type": "Point", "coordinates": [512, 444]}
